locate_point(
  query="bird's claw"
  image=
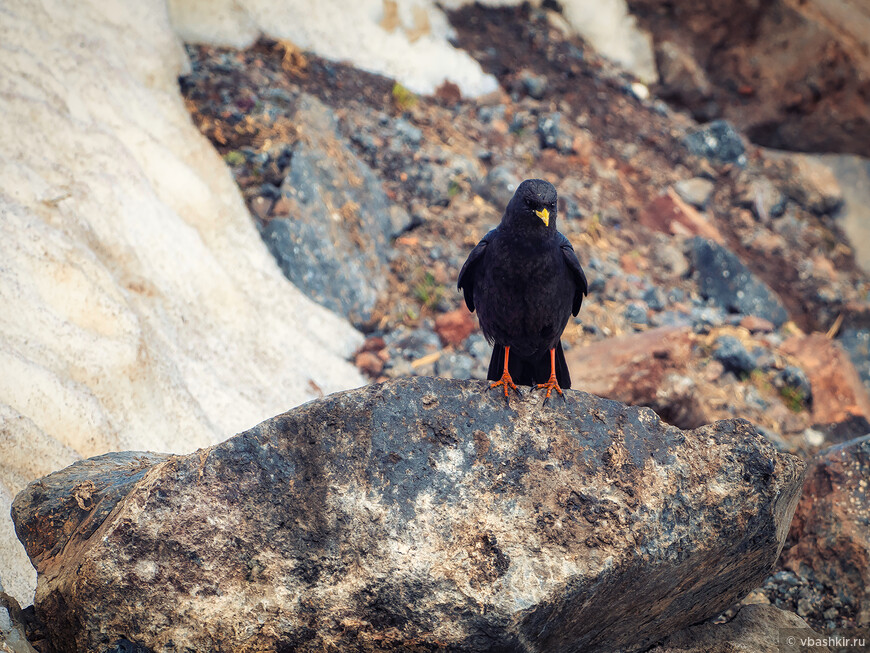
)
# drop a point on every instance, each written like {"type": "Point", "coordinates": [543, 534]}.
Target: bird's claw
{"type": "Point", "coordinates": [550, 385]}
{"type": "Point", "coordinates": [505, 381]}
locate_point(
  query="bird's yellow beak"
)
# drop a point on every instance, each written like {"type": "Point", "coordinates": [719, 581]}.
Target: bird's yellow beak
{"type": "Point", "coordinates": [544, 215]}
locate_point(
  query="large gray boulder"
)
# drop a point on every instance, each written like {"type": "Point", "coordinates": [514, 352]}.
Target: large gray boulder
{"type": "Point", "coordinates": [418, 515]}
{"type": "Point", "coordinates": [334, 240]}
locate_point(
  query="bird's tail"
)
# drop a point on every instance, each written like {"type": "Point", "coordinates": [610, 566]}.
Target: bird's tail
{"type": "Point", "coordinates": [529, 371]}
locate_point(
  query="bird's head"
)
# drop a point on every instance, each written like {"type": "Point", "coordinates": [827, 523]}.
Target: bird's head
{"type": "Point", "coordinates": [534, 203]}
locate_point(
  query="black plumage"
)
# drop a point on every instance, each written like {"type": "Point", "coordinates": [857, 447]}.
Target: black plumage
{"type": "Point", "coordinates": [525, 282]}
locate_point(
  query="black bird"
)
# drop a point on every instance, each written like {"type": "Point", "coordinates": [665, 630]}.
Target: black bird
{"type": "Point", "coordinates": [525, 281]}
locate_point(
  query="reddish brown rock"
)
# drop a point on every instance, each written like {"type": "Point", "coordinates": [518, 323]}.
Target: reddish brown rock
{"type": "Point", "coordinates": [838, 394]}
{"type": "Point", "coordinates": [643, 369]}
{"type": "Point", "coordinates": [671, 215]}
{"type": "Point", "coordinates": [454, 327]}
{"type": "Point", "coordinates": [370, 363]}
{"type": "Point", "coordinates": [755, 324]}
{"type": "Point", "coordinates": [830, 534]}
{"type": "Point", "coordinates": [791, 74]}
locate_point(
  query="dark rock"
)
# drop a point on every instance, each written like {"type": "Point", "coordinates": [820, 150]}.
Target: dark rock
{"type": "Point", "coordinates": [635, 313]}
{"type": "Point", "coordinates": [420, 514]}
{"type": "Point", "coordinates": [794, 378]}
{"type": "Point", "coordinates": [729, 351]}
{"type": "Point", "coordinates": [534, 85]}
{"type": "Point", "coordinates": [724, 279]}
{"type": "Point", "coordinates": [829, 541]}
{"type": "Point", "coordinates": [717, 141]}
{"type": "Point", "coordinates": [551, 134]}
{"type": "Point", "coordinates": [335, 243]}
{"type": "Point", "coordinates": [856, 342]}
{"type": "Point", "coordinates": [655, 298]}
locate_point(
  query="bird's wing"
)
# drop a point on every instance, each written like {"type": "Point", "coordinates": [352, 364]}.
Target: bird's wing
{"type": "Point", "coordinates": [469, 269]}
{"type": "Point", "coordinates": [579, 277]}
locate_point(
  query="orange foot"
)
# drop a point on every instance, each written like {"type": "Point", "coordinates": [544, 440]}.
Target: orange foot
{"type": "Point", "coordinates": [506, 381]}
{"type": "Point", "coordinates": [550, 385]}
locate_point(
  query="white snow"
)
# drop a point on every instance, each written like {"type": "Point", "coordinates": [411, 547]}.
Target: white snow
{"type": "Point", "coordinates": [355, 32]}
{"type": "Point", "coordinates": [139, 309]}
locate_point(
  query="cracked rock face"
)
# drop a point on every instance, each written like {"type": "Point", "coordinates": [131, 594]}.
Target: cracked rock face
{"type": "Point", "coordinates": [420, 514]}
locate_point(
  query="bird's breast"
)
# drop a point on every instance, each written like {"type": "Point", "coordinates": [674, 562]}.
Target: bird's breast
{"type": "Point", "coordinates": [525, 295]}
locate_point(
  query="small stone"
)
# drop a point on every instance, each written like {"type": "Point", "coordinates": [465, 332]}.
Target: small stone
{"type": "Point", "coordinates": [374, 343]}
{"type": "Point", "coordinates": [478, 347]}
{"type": "Point", "coordinates": [705, 318]}
{"type": "Point", "coordinates": [499, 185]}
{"type": "Point", "coordinates": [682, 77]}
{"type": "Point", "coordinates": [717, 141]}
{"type": "Point", "coordinates": [261, 207]}
{"type": "Point", "coordinates": [670, 259]}
{"type": "Point", "coordinates": [369, 362]}
{"type": "Point", "coordinates": [655, 299]}
{"type": "Point", "coordinates": [838, 393]}
{"type": "Point", "coordinates": [454, 327]}
{"type": "Point", "coordinates": [765, 199]}
{"type": "Point", "coordinates": [409, 134]}
{"type": "Point", "coordinates": [695, 191]}
{"type": "Point", "coordinates": [813, 185]}
{"type": "Point", "coordinates": [669, 214]}
{"type": "Point", "coordinates": [551, 134]}
{"type": "Point", "coordinates": [534, 85]}
{"type": "Point", "coordinates": [635, 313]}
{"type": "Point", "coordinates": [755, 324]}
{"type": "Point", "coordinates": [639, 91]}
{"type": "Point", "coordinates": [454, 365]}
{"type": "Point", "coordinates": [794, 378]}
{"type": "Point", "coordinates": [814, 437]}
{"type": "Point", "coordinates": [729, 351]}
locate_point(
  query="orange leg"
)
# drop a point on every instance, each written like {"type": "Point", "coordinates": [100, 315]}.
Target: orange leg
{"type": "Point", "coordinates": [506, 379]}
{"type": "Point", "coordinates": [552, 383]}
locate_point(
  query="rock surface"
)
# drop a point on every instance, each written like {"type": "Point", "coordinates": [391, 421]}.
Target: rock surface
{"type": "Point", "coordinates": [792, 74]}
{"type": "Point", "coordinates": [12, 633]}
{"type": "Point", "coordinates": [838, 393]}
{"type": "Point", "coordinates": [644, 369]}
{"type": "Point", "coordinates": [829, 541]}
{"type": "Point", "coordinates": [754, 629]}
{"type": "Point", "coordinates": [139, 306]}
{"type": "Point", "coordinates": [416, 514]}
{"type": "Point", "coordinates": [332, 236]}
{"type": "Point", "coordinates": [724, 279]}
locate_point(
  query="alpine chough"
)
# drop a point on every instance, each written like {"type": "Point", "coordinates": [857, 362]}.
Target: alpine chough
{"type": "Point", "coordinates": [525, 281]}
